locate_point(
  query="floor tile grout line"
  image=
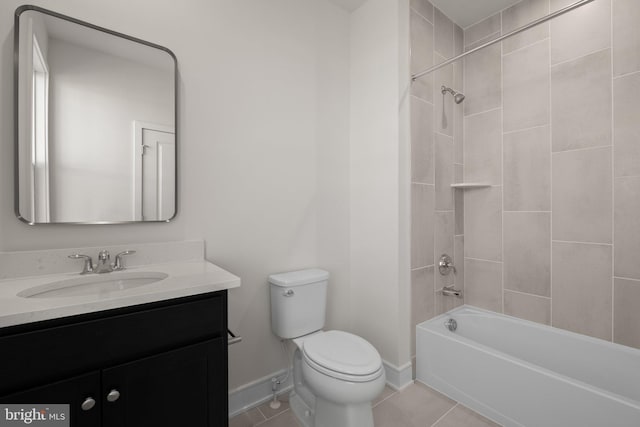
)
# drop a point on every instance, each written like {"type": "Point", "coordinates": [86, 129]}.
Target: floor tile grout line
{"type": "Point", "coordinates": [445, 414]}
{"type": "Point", "coordinates": [274, 415]}
{"type": "Point", "coordinates": [269, 419]}
{"type": "Point", "coordinates": [261, 413]}
{"type": "Point", "coordinates": [386, 398]}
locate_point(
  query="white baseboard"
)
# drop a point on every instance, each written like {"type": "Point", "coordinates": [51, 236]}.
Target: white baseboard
{"type": "Point", "coordinates": [256, 393]}
{"type": "Point", "coordinates": [259, 391]}
{"type": "Point", "coordinates": [398, 378]}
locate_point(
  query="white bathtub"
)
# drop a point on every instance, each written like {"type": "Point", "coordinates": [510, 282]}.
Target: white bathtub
{"type": "Point", "coordinates": [520, 373]}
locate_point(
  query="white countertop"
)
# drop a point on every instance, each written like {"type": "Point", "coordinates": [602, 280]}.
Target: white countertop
{"type": "Point", "coordinates": [185, 278]}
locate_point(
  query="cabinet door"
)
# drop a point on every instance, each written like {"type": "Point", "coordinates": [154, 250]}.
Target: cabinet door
{"type": "Point", "coordinates": [74, 392]}
{"type": "Point", "coordinates": [184, 387]}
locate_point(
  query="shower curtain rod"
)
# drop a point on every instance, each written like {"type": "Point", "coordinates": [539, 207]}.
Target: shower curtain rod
{"type": "Point", "coordinates": [506, 36]}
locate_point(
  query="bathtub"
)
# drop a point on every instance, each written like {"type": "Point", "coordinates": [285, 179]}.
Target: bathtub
{"type": "Point", "coordinates": [521, 373]}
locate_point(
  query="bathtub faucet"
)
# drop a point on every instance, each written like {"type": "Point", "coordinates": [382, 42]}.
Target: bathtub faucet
{"type": "Point", "coordinates": [451, 291]}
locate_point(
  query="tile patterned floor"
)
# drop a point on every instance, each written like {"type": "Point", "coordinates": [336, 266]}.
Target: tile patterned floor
{"type": "Point", "coordinates": [415, 406]}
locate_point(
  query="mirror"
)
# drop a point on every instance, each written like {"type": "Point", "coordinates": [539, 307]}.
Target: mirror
{"type": "Point", "coordinates": [95, 123]}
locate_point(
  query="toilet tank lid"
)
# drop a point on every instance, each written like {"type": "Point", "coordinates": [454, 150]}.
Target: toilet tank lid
{"type": "Point", "coordinates": [298, 278]}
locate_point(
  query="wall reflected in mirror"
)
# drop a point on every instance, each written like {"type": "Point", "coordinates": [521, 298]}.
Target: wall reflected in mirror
{"type": "Point", "coordinates": [95, 124]}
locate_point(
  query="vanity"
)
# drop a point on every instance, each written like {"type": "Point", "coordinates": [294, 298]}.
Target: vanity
{"type": "Point", "coordinates": [144, 355]}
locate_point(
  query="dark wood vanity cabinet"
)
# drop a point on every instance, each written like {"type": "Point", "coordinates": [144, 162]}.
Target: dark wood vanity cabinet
{"type": "Point", "coordinates": [159, 364]}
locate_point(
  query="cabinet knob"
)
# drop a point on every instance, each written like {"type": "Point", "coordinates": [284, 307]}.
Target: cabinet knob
{"type": "Point", "coordinates": [113, 395]}
{"type": "Point", "coordinates": [88, 403]}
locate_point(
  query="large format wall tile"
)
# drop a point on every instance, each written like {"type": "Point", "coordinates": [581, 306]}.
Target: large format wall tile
{"type": "Point", "coordinates": [581, 291]}
{"type": "Point", "coordinates": [527, 170]}
{"type": "Point", "coordinates": [443, 34]}
{"type": "Point", "coordinates": [458, 200]}
{"type": "Point", "coordinates": [581, 31]}
{"type": "Point", "coordinates": [421, 56]}
{"type": "Point", "coordinates": [626, 125]}
{"type": "Point", "coordinates": [626, 36]}
{"type": "Point", "coordinates": [527, 252]}
{"type": "Point", "coordinates": [483, 85]}
{"type": "Point", "coordinates": [482, 31]}
{"type": "Point", "coordinates": [521, 14]}
{"type": "Point", "coordinates": [582, 199]}
{"type": "Point", "coordinates": [458, 40]}
{"type": "Point", "coordinates": [422, 158]}
{"type": "Point", "coordinates": [422, 299]}
{"type": "Point", "coordinates": [626, 316]}
{"type": "Point", "coordinates": [581, 102]}
{"type": "Point", "coordinates": [444, 172]}
{"type": "Point", "coordinates": [424, 8]}
{"type": "Point", "coordinates": [422, 204]}
{"type": "Point", "coordinates": [458, 261]}
{"type": "Point", "coordinates": [526, 87]}
{"type": "Point", "coordinates": [627, 227]}
{"type": "Point", "coordinates": [483, 223]}
{"type": "Point", "coordinates": [529, 307]}
{"type": "Point", "coordinates": [458, 113]}
{"type": "Point", "coordinates": [483, 148]}
{"type": "Point", "coordinates": [444, 235]}
{"type": "Point", "coordinates": [483, 284]}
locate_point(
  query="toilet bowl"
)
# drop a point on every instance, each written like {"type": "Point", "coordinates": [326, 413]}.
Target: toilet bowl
{"type": "Point", "coordinates": [343, 372]}
{"type": "Point", "coordinates": [336, 374]}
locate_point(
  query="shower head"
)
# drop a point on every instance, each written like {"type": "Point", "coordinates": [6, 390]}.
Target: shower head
{"type": "Point", "coordinates": [457, 96]}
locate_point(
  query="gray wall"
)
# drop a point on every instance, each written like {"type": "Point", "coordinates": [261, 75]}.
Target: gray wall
{"type": "Point", "coordinates": [551, 122]}
{"type": "Point", "coordinates": [436, 162]}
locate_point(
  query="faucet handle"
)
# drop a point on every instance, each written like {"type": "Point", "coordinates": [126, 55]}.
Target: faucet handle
{"type": "Point", "coordinates": [445, 265]}
{"type": "Point", "coordinates": [88, 262]}
{"type": "Point", "coordinates": [118, 265]}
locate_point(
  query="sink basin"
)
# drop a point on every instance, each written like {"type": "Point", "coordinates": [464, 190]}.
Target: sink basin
{"type": "Point", "coordinates": [95, 284]}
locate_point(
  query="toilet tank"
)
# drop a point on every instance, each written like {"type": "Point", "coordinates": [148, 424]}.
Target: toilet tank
{"type": "Point", "coordinates": [298, 302]}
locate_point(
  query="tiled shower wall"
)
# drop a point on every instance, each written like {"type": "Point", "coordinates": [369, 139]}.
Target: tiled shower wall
{"type": "Point", "coordinates": [437, 159]}
{"type": "Point", "coordinates": [552, 122]}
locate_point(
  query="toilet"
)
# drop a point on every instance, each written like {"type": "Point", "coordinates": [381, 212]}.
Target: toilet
{"type": "Point", "coordinates": [336, 374]}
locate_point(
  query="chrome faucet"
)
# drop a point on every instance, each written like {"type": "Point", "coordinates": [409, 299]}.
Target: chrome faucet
{"type": "Point", "coordinates": [445, 265]}
{"type": "Point", "coordinates": [103, 265]}
{"type": "Point", "coordinates": [451, 291]}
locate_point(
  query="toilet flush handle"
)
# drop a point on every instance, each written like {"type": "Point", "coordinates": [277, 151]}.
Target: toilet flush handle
{"type": "Point", "coordinates": [288, 293]}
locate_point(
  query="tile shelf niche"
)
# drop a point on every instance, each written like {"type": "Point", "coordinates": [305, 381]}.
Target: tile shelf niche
{"type": "Point", "coordinates": [469, 185]}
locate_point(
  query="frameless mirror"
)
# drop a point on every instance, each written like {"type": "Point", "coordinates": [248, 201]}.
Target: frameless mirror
{"type": "Point", "coordinates": [95, 123]}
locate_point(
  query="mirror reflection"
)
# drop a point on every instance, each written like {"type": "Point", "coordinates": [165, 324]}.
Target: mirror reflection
{"type": "Point", "coordinates": [96, 138]}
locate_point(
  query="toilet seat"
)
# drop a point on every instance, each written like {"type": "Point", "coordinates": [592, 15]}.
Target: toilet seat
{"type": "Point", "coordinates": [343, 356]}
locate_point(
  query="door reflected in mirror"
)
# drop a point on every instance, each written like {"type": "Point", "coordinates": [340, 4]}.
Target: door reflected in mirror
{"type": "Point", "coordinates": [95, 136]}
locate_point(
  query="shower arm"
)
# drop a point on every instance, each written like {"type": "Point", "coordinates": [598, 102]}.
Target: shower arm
{"type": "Point", "coordinates": [506, 36]}
{"type": "Point", "coordinates": [445, 89]}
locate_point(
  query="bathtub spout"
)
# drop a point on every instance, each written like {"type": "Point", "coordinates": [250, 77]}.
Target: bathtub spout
{"type": "Point", "coordinates": [450, 291]}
